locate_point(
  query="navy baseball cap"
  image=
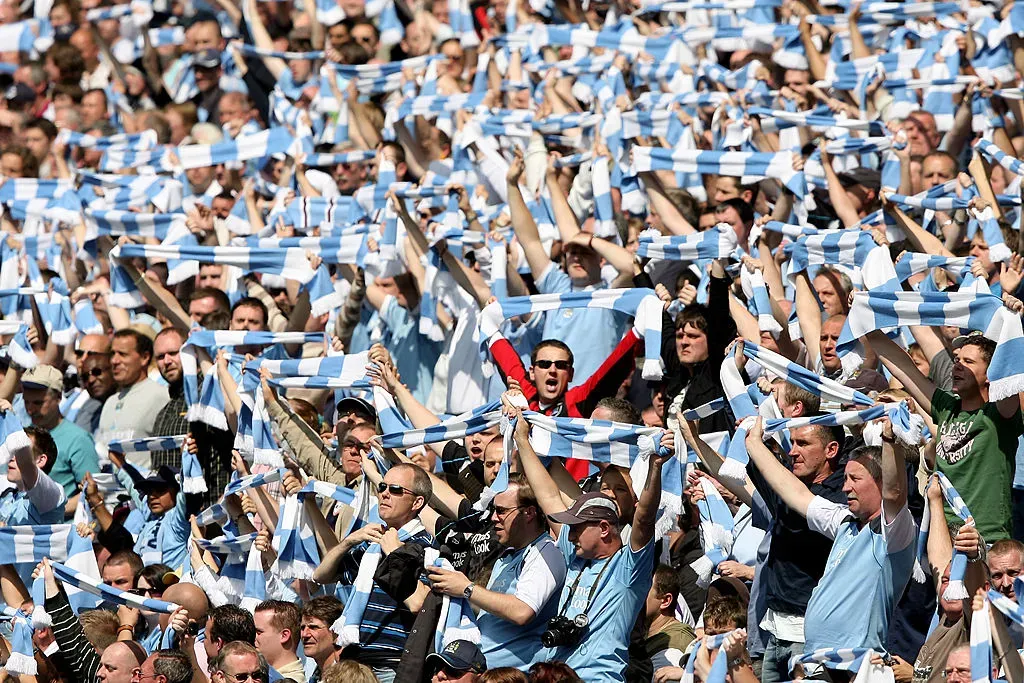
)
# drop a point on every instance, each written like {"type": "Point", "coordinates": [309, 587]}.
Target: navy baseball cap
{"type": "Point", "coordinates": [460, 655]}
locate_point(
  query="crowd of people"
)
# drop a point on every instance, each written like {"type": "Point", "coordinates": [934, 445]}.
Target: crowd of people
{"type": "Point", "coordinates": [511, 340]}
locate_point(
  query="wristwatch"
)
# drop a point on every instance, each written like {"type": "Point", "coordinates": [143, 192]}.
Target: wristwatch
{"type": "Point", "coordinates": [469, 591]}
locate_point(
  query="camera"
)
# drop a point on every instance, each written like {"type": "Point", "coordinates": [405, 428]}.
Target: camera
{"type": "Point", "coordinates": [563, 631]}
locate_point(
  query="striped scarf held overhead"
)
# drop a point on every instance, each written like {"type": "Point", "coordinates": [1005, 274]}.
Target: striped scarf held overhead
{"type": "Point", "coordinates": [716, 532]}
{"type": "Point", "coordinates": [734, 467]}
{"type": "Point", "coordinates": [643, 304]}
{"type": "Point", "coordinates": [81, 581]}
{"type": "Point", "coordinates": [347, 625]}
{"type": "Point", "coordinates": [19, 350]}
{"type": "Point", "coordinates": [958, 565]}
{"type": "Point", "coordinates": [985, 312]}
{"type": "Point", "coordinates": [718, 242]}
{"type": "Point", "coordinates": [747, 166]}
{"type": "Point", "coordinates": [192, 479]}
{"type": "Point", "coordinates": [846, 659]}
{"type": "Point", "coordinates": [617, 443]}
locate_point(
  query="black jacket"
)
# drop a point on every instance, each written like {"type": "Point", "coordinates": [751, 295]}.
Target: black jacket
{"type": "Point", "coordinates": [702, 382]}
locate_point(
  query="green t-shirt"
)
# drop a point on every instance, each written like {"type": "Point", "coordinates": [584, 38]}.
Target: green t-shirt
{"type": "Point", "coordinates": [976, 450]}
{"type": "Point", "coordinates": [76, 455]}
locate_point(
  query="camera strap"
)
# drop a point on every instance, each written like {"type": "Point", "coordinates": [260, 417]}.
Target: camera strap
{"type": "Point", "coordinates": [593, 588]}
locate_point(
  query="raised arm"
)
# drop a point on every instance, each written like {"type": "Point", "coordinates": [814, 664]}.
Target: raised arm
{"type": "Point", "coordinates": [900, 364]}
{"type": "Point", "coordinates": [711, 459]}
{"type": "Point", "coordinates": [791, 490]}
{"type": "Point", "coordinates": [894, 474]}
{"type": "Point", "coordinates": [522, 221]}
{"type": "Point", "coordinates": [544, 487]}
{"type": "Point", "coordinates": [650, 498]}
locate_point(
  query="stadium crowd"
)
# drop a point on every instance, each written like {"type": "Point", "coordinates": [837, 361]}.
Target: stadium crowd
{"type": "Point", "coordinates": [511, 340]}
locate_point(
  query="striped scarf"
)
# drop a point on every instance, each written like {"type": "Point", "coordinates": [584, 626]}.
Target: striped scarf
{"type": "Point", "coordinates": [457, 427]}
{"type": "Point", "coordinates": [958, 565]}
{"type": "Point", "coordinates": [756, 291]}
{"type": "Point", "coordinates": [641, 303]}
{"type": "Point", "coordinates": [718, 242]}
{"type": "Point", "coordinates": [81, 581]}
{"type": "Point", "coordinates": [981, 645]}
{"type": "Point", "coordinates": [347, 625]}
{"type": "Point", "coordinates": [884, 310]}
{"type": "Point", "coordinates": [294, 538]}
{"type": "Point", "coordinates": [21, 661]}
{"type": "Point", "coordinates": [277, 140]}
{"type": "Point", "coordinates": [290, 263]}
{"type": "Point", "coordinates": [716, 532]}
{"type": "Point", "coordinates": [18, 349]}
{"type": "Point", "coordinates": [617, 443]}
{"type": "Point", "coordinates": [30, 544]}
{"type": "Point", "coordinates": [845, 247]}
{"type": "Point", "coordinates": [193, 480]}
{"type": "Point", "coordinates": [456, 620]}
{"type": "Point", "coordinates": [744, 165]}
{"type": "Point", "coordinates": [734, 468]}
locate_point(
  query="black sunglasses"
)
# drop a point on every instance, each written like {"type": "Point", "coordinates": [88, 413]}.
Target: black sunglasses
{"type": "Point", "coordinates": [559, 364]}
{"type": "Point", "coordinates": [394, 489]}
{"type": "Point", "coordinates": [243, 677]}
{"type": "Point", "coordinates": [95, 372]}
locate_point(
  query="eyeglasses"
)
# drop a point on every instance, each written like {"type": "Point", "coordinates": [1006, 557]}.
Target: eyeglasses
{"type": "Point", "coordinates": [394, 489]}
{"type": "Point", "coordinates": [958, 672]}
{"type": "Point", "coordinates": [559, 364]}
{"type": "Point", "coordinates": [137, 675]}
{"type": "Point", "coordinates": [243, 677]}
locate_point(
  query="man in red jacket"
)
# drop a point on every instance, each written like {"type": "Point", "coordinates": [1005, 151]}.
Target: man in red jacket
{"type": "Point", "coordinates": [545, 385]}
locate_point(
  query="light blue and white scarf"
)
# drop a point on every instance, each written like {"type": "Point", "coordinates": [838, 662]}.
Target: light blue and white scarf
{"type": "Point", "coordinates": [347, 625]}
{"type": "Point", "coordinates": [716, 528]}
{"type": "Point", "coordinates": [718, 242]}
{"type": "Point", "coordinates": [643, 304]}
{"type": "Point", "coordinates": [456, 620]}
{"type": "Point", "coordinates": [109, 593]}
{"type": "Point", "coordinates": [985, 312]}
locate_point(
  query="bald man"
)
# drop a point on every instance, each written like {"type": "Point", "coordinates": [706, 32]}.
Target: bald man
{"type": "Point", "coordinates": [118, 661]}
{"type": "Point", "coordinates": [187, 620]}
{"type": "Point", "coordinates": [92, 360]}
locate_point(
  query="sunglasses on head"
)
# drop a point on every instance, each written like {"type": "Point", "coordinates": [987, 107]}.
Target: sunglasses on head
{"type": "Point", "coordinates": [559, 364]}
{"type": "Point", "coordinates": [394, 489]}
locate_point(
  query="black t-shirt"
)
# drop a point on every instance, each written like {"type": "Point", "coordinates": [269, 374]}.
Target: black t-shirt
{"type": "Point", "coordinates": [469, 542]}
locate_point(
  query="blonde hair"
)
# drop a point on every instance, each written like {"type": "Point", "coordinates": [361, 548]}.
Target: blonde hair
{"type": "Point", "coordinates": [348, 671]}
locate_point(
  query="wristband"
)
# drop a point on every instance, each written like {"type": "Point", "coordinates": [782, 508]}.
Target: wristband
{"type": "Point", "coordinates": [590, 244]}
{"type": "Point", "coordinates": [125, 627]}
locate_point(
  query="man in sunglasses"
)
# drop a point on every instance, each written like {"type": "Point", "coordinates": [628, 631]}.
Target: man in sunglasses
{"type": "Point", "coordinates": [521, 594]}
{"type": "Point", "coordinates": [238, 662]}
{"type": "Point", "coordinates": [97, 379]}
{"type": "Point", "coordinates": [385, 622]}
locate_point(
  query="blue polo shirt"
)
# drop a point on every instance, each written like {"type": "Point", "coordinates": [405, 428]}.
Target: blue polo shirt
{"type": "Point", "coordinates": [533, 574]}
{"type": "Point", "coordinates": [591, 333]}
{"type": "Point", "coordinates": [415, 356]}
{"type": "Point", "coordinates": [623, 581]}
{"type": "Point", "coordinates": [865, 575]}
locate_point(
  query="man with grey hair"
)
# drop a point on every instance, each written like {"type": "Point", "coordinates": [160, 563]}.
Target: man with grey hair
{"type": "Point", "coordinates": [385, 623]}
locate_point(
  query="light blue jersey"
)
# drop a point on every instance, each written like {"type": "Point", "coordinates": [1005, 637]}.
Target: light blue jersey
{"type": "Point", "coordinates": [534, 575]}
{"type": "Point", "coordinates": [415, 356]}
{"type": "Point", "coordinates": [591, 333]}
{"type": "Point", "coordinates": [865, 575]}
{"type": "Point", "coordinates": [624, 580]}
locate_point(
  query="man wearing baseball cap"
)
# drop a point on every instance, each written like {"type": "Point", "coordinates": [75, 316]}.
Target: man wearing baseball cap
{"type": "Point", "coordinates": [76, 453]}
{"type": "Point", "coordinates": [459, 662]}
{"type": "Point", "coordinates": [609, 569]}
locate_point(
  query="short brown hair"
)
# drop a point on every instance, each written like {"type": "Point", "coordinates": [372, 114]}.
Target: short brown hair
{"type": "Point", "coordinates": [795, 394]}
{"type": "Point", "coordinates": [503, 674]}
{"type": "Point", "coordinates": [1007, 546]}
{"type": "Point", "coordinates": [724, 613]}
{"type": "Point", "coordinates": [326, 608]}
{"type": "Point", "coordinates": [525, 497]}
{"type": "Point", "coordinates": [285, 615]}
